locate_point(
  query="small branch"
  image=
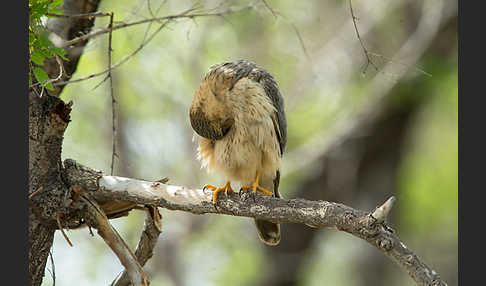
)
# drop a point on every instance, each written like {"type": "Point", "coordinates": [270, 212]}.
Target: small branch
{"type": "Point", "coordinates": [62, 230]}
{"type": "Point", "coordinates": [80, 16]}
{"type": "Point", "coordinates": [61, 72]}
{"type": "Point", "coordinates": [294, 27]}
{"type": "Point", "coordinates": [367, 54]}
{"type": "Point", "coordinates": [98, 219]}
{"type": "Point", "coordinates": [301, 41]}
{"type": "Point", "coordinates": [270, 9]}
{"type": "Point", "coordinates": [146, 244]}
{"type": "Point", "coordinates": [113, 102]}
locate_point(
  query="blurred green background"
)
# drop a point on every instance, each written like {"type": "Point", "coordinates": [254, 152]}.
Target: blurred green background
{"type": "Point", "coordinates": [355, 136]}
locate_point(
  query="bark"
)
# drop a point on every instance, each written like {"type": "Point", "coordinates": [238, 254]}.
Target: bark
{"type": "Point", "coordinates": [48, 118]}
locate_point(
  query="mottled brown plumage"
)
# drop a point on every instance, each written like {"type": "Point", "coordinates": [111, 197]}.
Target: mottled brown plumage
{"type": "Point", "coordinates": [238, 112]}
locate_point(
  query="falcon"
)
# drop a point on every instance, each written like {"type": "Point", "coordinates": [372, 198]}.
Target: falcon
{"type": "Point", "coordinates": [238, 113]}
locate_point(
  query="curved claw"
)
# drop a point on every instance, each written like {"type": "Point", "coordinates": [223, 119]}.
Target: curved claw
{"type": "Point", "coordinates": [208, 186]}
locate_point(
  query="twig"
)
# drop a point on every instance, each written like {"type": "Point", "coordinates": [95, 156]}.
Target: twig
{"type": "Point", "coordinates": [113, 101]}
{"type": "Point", "coordinates": [413, 48]}
{"type": "Point", "coordinates": [167, 18]}
{"type": "Point", "coordinates": [149, 7]}
{"type": "Point", "coordinates": [80, 16]}
{"type": "Point", "coordinates": [98, 219]}
{"type": "Point", "coordinates": [294, 27]}
{"type": "Point", "coordinates": [368, 59]}
{"type": "Point", "coordinates": [61, 72]}
{"type": "Point", "coordinates": [62, 230]}
{"type": "Point", "coordinates": [184, 14]}
{"type": "Point", "coordinates": [270, 9]}
{"type": "Point", "coordinates": [146, 245]}
{"type": "Point", "coordinates": [400, 63]}
{"type": "Point", "coordinates": [301, 41]}
{"type": "Point", "coordinates": [122, 61]}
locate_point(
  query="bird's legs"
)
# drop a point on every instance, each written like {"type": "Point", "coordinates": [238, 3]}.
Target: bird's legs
{"type": "Point", "coordinates": [256, 187]}
{"type": "Point", "coordinates": [226, 188]}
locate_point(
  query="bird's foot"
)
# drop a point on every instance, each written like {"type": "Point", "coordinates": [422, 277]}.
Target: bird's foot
{"type": "Point", "coordinates": [226, 188]}
{"type": "Point", "coordinates": [256, 187]}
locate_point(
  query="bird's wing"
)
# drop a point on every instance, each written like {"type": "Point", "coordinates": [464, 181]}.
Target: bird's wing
{"type": "Point", "coordinates": [271, 90]}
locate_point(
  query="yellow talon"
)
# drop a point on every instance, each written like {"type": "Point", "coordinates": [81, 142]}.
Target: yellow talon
{"type": "Point", "coordinates": [256, 187]}
{"type": "Point", "coordinates": [226, 188]}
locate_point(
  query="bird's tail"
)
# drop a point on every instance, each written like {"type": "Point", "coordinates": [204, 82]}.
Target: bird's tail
{"type": "Point", "coordinates": [269, 232]}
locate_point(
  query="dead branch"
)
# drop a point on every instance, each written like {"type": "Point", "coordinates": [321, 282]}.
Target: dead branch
{"type": "Point", "coordinates": [146, 245]}
{"type": "Point", "coordinates": [97, 218]}
{"type": "Point", "coordinates": [318, 214]}
{"type": "Point", "coordinates": [80, 16]}
{"type": "Point", "coordinates": [367, 54]}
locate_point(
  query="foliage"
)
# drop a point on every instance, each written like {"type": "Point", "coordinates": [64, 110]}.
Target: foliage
{"type": "Point", "coordinates": [40, 47]}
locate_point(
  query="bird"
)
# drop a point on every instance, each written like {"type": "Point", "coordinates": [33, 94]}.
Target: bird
{"type": "Point", "coordinates": [238, 114]}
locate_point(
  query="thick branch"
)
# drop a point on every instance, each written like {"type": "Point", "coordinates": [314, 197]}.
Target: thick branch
{"type": "Point", "coordinates": [313, 213]}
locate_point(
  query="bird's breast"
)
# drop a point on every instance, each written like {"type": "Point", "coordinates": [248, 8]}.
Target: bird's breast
{"type": "Point", "coordinates": [244, 151]}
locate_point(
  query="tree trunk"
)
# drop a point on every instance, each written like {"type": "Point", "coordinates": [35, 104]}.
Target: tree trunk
{"type": "Point", "coordinates": [48, 119]}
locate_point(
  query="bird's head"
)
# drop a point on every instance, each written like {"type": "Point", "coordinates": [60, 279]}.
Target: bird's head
{"type": "Point", "coordinates": [211, 111]}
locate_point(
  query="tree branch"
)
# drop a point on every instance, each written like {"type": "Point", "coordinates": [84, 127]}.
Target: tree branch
{"type": "Point", "coordinates": [186, 14]}
{"type": "Point", "coordinates": [312, 213]}
{"type": "Point", "coordinates": [97, 218]}
{"type": "Point", "coordinates": [146, 245]}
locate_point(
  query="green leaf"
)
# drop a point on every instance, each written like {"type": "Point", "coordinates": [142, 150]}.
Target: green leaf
{"type": "Point", "coordinates": [56, 3]}
{"type": "Point", "coordinates": [56, 11]}
{"type": "Point", "coordinates": [45, 52]}
{"type": "Point", "coordinates": [31, 38]}
{"type": "Point", "coordinates": [44, 41]}
{"type": "Point", "coordinates": [40, 75]}
{"type": "Point", "coordinates": [49, 86]}
{"type": "Point", "coordinates": [37, 58]}
{"type": "Point", "coordinates": [60, 52]}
